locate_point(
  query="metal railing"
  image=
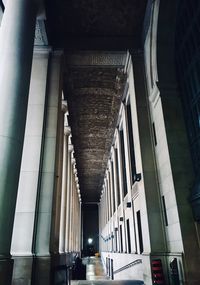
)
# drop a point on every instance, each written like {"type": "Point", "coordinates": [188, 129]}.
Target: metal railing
{"type": "Point", "coordinates": [133, 263]}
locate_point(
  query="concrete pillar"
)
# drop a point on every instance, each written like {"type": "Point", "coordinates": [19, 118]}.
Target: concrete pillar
{"type": "Point", "coordinates": [153, 212]}
{"type": "Point", "coordinates": [63, 217]}
{"type": "Point", "coordinates": [16, 49]}
{"type": "Point", "coordinates": [48, 169]}
{"type": "Point", "coordinates": [67, 231]}
{"type": "Point", "coordinates": [55, 237]}
{"type": "Point", "coordinates": [28, 182]}
{"type": "Point", "coordinates": [42, 242]}
{"type": "Point", "coordinates": [71, 232]}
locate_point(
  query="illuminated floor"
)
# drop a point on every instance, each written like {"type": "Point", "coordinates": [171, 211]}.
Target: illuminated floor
{"type": "Point", "coordinates": [95, 275]}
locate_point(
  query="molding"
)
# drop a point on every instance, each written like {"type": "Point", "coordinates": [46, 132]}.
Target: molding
{"type": "Point", "coordinates": [40, 34]}
{"type": "Point", "coordinates": [154, 94]}
{"type": "Point", "coordinates": [110, 59]}
{"type": "Point", "coordinates": [64, 107]}
{"type": "Point", "coordinates": [41, 50]}
{"type": "Point", "coordinates": [67, 130]}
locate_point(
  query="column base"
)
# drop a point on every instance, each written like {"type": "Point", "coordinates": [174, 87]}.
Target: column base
{"type": "Point", "coordinates": [22, 270]}
{"type": "Point", "coordinates": [39, 270]}
{"type": "Point", "coordinates": [61, 265]}
{"type": "Point", "coordinates": [6, 271]}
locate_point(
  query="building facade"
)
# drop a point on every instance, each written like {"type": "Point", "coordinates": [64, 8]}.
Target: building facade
{"type": "Point", "coordinates": [148, 209]}
{"type": "Point", "coordinates": [149, 189]}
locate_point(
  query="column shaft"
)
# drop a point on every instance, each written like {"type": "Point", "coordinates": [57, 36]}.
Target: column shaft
{"type": "Point", "coordinates": [47, 183]}
{"type": "Point", "coordinates": [64, 192]}
{"type": "Point", "coordinates": [68, 200]}
{"type": "Point", "coordinates": [29, 173]}
{"type": "Point", "coordinates": [55, 233]}
{"type": "Point", "coordinates": [16, 49]}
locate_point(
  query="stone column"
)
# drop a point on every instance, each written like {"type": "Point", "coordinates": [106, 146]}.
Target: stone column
{"type": "Point", "coordinates": [69, 175]}
{"type": "Point", "coordinates": [16, 49]}
{"type": "Point", "coordinates": [63, 225]}
{"type": "Point", "coordinates": [71, 231]}
{"type": "Point", "coordinates": [42, 242]}
{"type": "Point", "coordinates": [27, 189]}
{"type": "Point", "coordinates": [76, 215]}
{"type": "Point", "coordinates": [56, 214]}
{"type": "Point", "coordinates": [47, 181]}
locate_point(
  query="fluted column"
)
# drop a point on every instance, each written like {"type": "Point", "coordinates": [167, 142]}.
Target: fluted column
{"type": "Point", "coordinates": [69, 175]}
{"type": "Point", "coordinates": [16, 49]}
{"type": "Point", "coordinates": [43, 238]}
{"type": "Point", "coordinates": [27, 190]}
{"type": "Point", "coordinates": [63, 217]}
{"type": "Point", "coordinates": [55, 232]}
{"type": "Point", "coordinates": [71, 230]}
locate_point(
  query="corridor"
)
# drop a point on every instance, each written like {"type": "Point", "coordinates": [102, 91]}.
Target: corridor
{"type": "Point", "coordinates": [99, 142]}
{"type": "Point", "coordinates": [95, 275]}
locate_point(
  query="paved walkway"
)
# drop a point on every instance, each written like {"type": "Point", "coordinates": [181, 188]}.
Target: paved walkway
{"type": "Point", "coordinates": [95, 275]}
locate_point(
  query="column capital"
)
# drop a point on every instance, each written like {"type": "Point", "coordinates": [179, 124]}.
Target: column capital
{"type": "Point", "coordinates": [67, 130]}
{"type": "Point", "coordinates": [73, 161]}
{"type": "Point", "coordinates": [64, 106]}
{"type": "Point", "coordinates": [71, 147]}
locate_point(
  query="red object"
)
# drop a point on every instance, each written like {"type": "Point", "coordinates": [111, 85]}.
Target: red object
{"type": "Point", "coordinates": [157, 272]}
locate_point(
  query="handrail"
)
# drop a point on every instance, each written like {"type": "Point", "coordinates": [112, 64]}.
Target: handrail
{"type": "Point", "coordinates": [133, 263]}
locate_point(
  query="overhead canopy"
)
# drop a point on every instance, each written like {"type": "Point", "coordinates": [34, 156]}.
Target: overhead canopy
{"type": "Point", "coordinates": [95, 24]}
{"type": "Point", "coordinates": [92, 33]}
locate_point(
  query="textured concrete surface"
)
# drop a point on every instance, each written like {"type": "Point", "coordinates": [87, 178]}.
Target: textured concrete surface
{"type": "Point", "coordinates": [93, 93]}
{"type": "Point", "coordinates": [83, 20]}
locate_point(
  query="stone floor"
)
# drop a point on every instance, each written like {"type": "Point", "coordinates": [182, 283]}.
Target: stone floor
{"type": "Point", "coordinates": [96, 275]}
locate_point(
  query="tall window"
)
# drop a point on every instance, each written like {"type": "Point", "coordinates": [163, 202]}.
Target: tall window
{"type": "Point", "coordinates": [128, 235]}
{"type": "Point", "coordinates": [131, 143]}
{"type": "Point", "coordinates": [139, 231]}
{"type": "Point", "coordinates": [121, 135]}
{"type": "Point", "coordinates": [121, 237]}
{"type": "Point", "coordinates": [116, 240]}
{"type": "Point", "coordinates": [109, 194]}
{"type": "Point", "coordinates": [113, 188]}
{"type": "Point", "coordinates": [117, 176]}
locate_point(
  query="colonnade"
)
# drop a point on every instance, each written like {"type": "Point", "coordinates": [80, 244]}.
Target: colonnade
{"type": "Point", "coordinates": [40, 201]}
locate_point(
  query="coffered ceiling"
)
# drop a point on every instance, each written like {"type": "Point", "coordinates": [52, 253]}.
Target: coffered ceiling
{"type": "Point", "coordinates": [95, 36]}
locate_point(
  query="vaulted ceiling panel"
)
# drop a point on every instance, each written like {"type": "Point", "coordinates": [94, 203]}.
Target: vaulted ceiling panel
{"type": "Point", "coordinates": [93, 89]}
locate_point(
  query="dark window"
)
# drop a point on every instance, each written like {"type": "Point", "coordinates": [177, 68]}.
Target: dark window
{"type": "Point", "coordinates": [109, 194]}
{"type": "Point", "coordinates": [107, 265]}
{"type": "Point", "coordinates": [113, 188]}
{"type": "Point", "coordinates": [2, 5]}
{"type": "Point", "coordinates": [107, 209]}
{"type": "Point", "coordinates": [154, 134]}
{"type": "Point", "coordinates": [116, 240]}
{"type": "Point", "coordinates": [139, 231]}
{"type": "Point", "coordinates": [112, 241]}
{"type": "Point", "coordinates": [128, 235]}
{"type": "Point", "coordinates": [164, 210]}
{"type": "Point", "coordinates": [121, 135]}
{"type": "Point", "coordinates": [108, 199]}
{"type": "Point", "coordinates": [111, 269]}
{"type": "Point", "coordinates": [117, 176]}
{"type": "Point", "coordinates": [131, 143]}
{"type": "Point", "coordinates": [121, 237]}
